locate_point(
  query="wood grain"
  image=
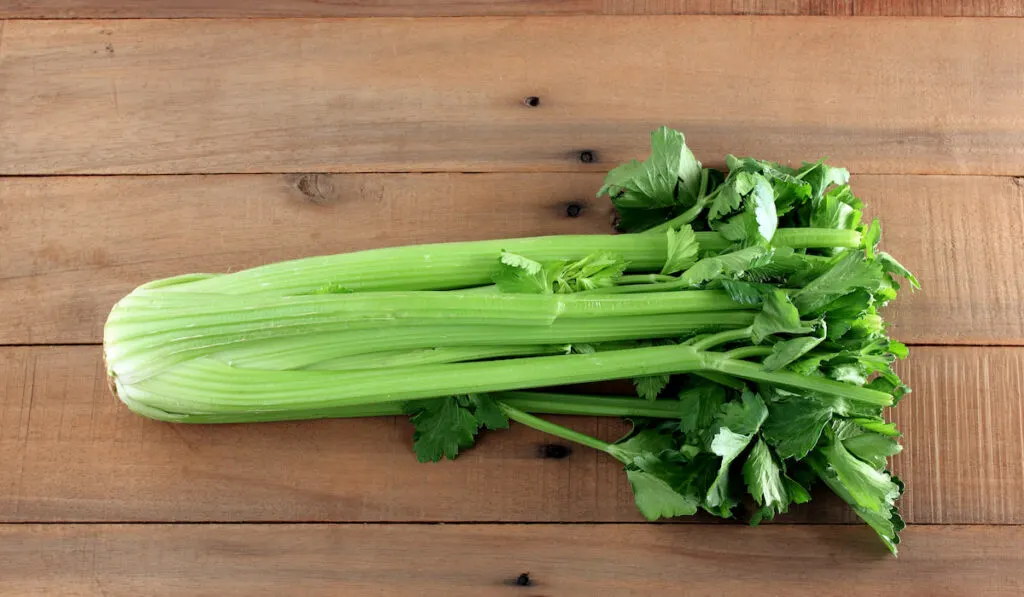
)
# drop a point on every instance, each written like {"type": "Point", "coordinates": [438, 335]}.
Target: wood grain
{"type": "Point", "coordinates": [149, 9]}
{"type": "Point", "coordinates": [486, 560]}
{"type": "Point", "coordinates": [72, 246]}
{"type": "Point", "coordinates": [939, 8]}
{"type": "Point", "coordinates": [221, 95]}
{"type": "Point", "coordinates": [73, 453]}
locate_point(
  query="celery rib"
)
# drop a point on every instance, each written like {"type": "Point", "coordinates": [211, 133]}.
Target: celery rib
{"type": "Point", "coordinates": [206, 385]}
{"type": "Point", "coordinates": [447, 266]}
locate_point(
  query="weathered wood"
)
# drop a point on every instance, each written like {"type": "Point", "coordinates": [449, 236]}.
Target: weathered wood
{"type": "Point", "coordinates": [74, 245]}
{"type": "Point", "coordinates": [73, 453]}
{"type": "Point", "coordinates": [938, 8]}
{"type": "Point", "coordinates": [486, 560]}
{"type": "Point", "coordinates": [150, 9]}
{"type": "Point", "coordinates": [173, 96]}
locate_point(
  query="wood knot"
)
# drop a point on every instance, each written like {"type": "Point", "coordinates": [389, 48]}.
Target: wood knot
{"type": "Point", "coordinates": [317, 188]}
{"type": "Point", "coordinates": [588, 156]}
{"type": "Point", "coordinates": [523, 580]}
{"type": "Point", "coordinates": [532, 101]}
{"type": "Point", "coordinates": [573, 210]}
{"type": "Point", "coordinates": [554, 451]}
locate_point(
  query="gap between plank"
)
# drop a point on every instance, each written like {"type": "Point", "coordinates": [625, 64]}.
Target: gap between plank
{"type": "Point", "coordinates": [456, 523]}
{"type": "Point", "coordinates": [1016, 176]}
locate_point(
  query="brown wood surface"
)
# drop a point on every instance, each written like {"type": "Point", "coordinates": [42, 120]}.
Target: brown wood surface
{"type": "Point", "coordinates": [939, 8]}
{"type": "Point", "coordinates": [486, 560]}
{"type": "Point", "coordinates": [87, 489]}
{"type": "Point", "coordinates": [65, 9]}
{"type": "Point", "coordinates": [73, 453]}
{"type": "Point", "coordinates": [93, 9]}
{"type": "Point", "coordinates": [63, 268]}
{"type": "Point", "coordinates": [221, 95]}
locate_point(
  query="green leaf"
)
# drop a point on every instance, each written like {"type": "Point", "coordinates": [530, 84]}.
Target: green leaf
{"type": "Point", "coordinates": [748, 293]}
{"type": "Point", "coordinates": [789, 192]}
{"type": "Point", "coordinates": [787, 351]}
{"type": "Point", "coordinates": [682, 250]}
{"type": "Point", "coordinates": [655, 474]}
{"type": "Point", "coordinates": [729, 197]}
{"type": "Point", "coordinates": [849, 273]}
{"type": "Point", "coordinates": [821, 176]}
{"type": "Point", "coordinates": [765, 480]}
{"type": "Point", "coordinates": [849, 374]}
{"type": "Point", "coordinates": [597, 270]}
{"type": "Point", "coordinates": [868, 487]}
{"type": "Point", "coordinates": [725, 265]}
{"type": "Point", "coordinates": [890, 265]}
{"type": "Point", "coordinates": [487, 412]}
{"type": "Point", "coordinates": [887, 524]}
{"type": "Point", "coordinates": [747, 188]}
{"type": "Point", "coordinates": [834, 210]}
{"type": "Point", "coordinates": [656, 499]}
{"type": "Point", "coordinates": [650, 386]}
{"type": "Point", "coordinates": [873, 448]}
{"type": "Point", "coordinates": [797, 493]}
{"type": "Point", "coordinates": [887, 521]}
{"type": "Point", "coordinates": [898, 350]}
{"type": "Point", "coordinates": [637, 445]}
{"type": "Point", "coordinates": [520, 275]}
{"type": "Point", "coordinates": [519, 262]}
{"type": "Point", "coordinates": [653, 182]}
{"type": "Point", "coordinates": [777, 316]}
{"type": "Point", "coordinates": [636, 219]}
{"type": "Point", "coordinates": [878, 426]}
{"type": "Point", "coordinates": [870, 236]}
{"type": "Point", "coordinates": [444, 426]}
{"type": "Point", "coordinates": [762, 202]}
{"type": "Point", "coordinates": [728, 445]}
{"type": "Point", "coordinates": [744, 416]}
{"type": "Point", "coordinates": [700, 405]}
{"type": "Point", "coordinates": [794, 425]}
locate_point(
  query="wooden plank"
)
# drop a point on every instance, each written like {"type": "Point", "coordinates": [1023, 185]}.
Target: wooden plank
{"type": "Point", "coordinates": [961, 236]}
{"type": "Point", "coordinates": [73, 453]}
{"type": "Point", "coordinates": [221, 95]}
{"type": "Point", "coordinates": [76, 245]}
{"type": "Point", "coordinates": [150, 9]}
{"type": "Point", "coordinates": [485, 560]}
{"type": "Point", "coordinates": [939, 8]}
{"type": "Point", "coordinates": [73, 245]}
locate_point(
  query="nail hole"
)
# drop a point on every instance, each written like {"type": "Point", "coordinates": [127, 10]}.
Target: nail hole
{"type": "Point", "coordinates": [523, 580]}
{"type": "Point", "coordinates": [573, 210]}
{"type": "Point", "coordinates": [587, 156]}
{"type": "Point", "coordinates": [533, 101]}
{"type": "Point", "coordinates": [554, 451]}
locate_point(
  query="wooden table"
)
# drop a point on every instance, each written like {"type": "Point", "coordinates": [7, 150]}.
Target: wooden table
{"type": "Point", "coordinates": [132, 149]}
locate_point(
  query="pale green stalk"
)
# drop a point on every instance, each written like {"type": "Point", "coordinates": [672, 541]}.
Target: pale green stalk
{"type": "Point", "coordinates": [205, 386]}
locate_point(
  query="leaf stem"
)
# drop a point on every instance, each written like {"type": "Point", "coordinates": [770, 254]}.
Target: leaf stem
{"type": "Point", "coordinates": [576, 404]}
{"type": "Point", "coordinates": [552, 428]}
{"type": "Point", "coordinates": [690, 214]}
{"type": "Point", "coordinates": [722, 379]}
{"type": "Point", "coordinates": [645, 278]}
{"type": "Point", "coordinates": [744, 352]}
{"type": "Point", "coordinates": [723, 338]}
{"type": "Point", "coordinates": [757, 372]}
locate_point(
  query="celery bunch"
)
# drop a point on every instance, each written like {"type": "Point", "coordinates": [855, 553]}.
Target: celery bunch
{"type": "Point", "coordinates": [743, 305]}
